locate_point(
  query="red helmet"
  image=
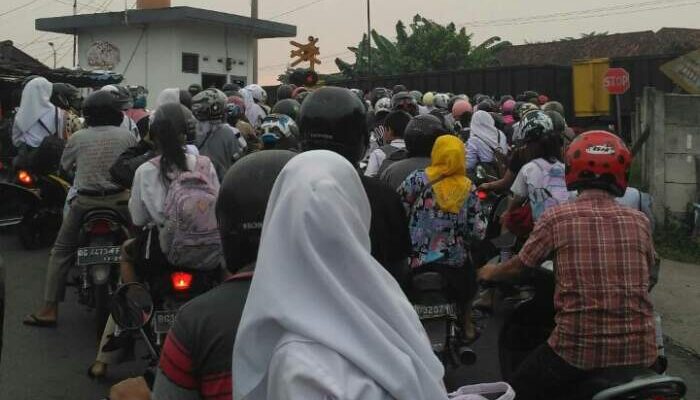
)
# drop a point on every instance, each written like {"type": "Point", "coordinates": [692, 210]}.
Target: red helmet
{"type": "Point", "coordinates": [598, 159]}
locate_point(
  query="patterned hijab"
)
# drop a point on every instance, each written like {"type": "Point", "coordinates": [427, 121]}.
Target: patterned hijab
{"type": "Point", "coordinates": [447, 173]}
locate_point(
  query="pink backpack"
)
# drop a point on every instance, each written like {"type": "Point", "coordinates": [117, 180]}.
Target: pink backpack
{"type": "Point", "coordinates": [189, 237]}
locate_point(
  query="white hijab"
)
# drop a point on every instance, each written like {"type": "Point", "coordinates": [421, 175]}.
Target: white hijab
{"type": "Point", "coordinates": [484, 127]}
{"type": "Point", "coordinates": [315, 278]}
{"type": "Point", "coordinates": [35, 103]}
{"type": "Point", "coordinates": [167, 96]}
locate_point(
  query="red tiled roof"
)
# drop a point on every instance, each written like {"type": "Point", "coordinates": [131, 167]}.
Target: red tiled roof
{"type": "Point", "coordinates": [646, 43]}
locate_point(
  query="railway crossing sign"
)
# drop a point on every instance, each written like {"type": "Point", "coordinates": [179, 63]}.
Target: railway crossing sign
{"type": "Point", "coordinates": [617, 81]}
{"type": "Point", "coordinates": [306, 53]}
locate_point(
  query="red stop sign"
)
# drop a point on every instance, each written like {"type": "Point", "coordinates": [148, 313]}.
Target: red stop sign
{"type": "Point", "coordinates": [617, 81]}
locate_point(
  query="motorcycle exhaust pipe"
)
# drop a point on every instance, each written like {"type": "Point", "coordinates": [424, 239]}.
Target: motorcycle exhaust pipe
{"type": "Point", "coordinates": [467, 356]}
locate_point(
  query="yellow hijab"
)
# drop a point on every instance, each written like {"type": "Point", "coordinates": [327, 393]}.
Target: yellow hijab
{"type": "Point", "coordinates": [448, 166]}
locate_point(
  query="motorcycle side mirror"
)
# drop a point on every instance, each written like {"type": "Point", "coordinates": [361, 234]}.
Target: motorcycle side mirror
{"type": "Point", "coordinates": [132, 306]}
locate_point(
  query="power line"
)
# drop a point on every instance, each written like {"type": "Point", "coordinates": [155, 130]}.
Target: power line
{"type": "Point", "coordinates": [301, 7]}
{"type": "Point", "coordinates": [581, 14]}
{"type": "Point", "coordinates": [27, 4]}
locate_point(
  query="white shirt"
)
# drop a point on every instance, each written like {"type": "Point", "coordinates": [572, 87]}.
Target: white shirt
{"type": "Point", "coordinates": [36, 133]}
{"type": "Point", "coordinates": [377, 157]}
{"type": "Point", "coordinates": [148, 192]}
{"type": "Point", "coordinates": [302, 369]}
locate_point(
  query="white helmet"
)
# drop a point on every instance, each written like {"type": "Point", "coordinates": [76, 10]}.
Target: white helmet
{"type": "Point", "coordinates": [383, 105]}
{"type": "Point", "coordinates": [441, 101]}
{"type": "Point", "coordinates": [257, 92]}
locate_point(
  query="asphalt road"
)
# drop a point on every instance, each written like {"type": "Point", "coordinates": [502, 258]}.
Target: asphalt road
{"type": "Point", "coordinates": [45, 363]}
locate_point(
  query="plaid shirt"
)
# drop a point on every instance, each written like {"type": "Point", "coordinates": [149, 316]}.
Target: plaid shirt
{"type": "Point", "coordinates": [603, 253]}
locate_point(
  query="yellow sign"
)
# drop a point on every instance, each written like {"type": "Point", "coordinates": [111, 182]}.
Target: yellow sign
{"type": "Point", "coordinates": [590, 96]}
{"type": "Point", "coordinates": [685, 71]}
{"type": "Point", "coordinates": [306, 53]}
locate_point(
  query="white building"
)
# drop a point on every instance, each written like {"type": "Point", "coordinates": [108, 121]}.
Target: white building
{"type": "Point", "coordinates": [168, 47]}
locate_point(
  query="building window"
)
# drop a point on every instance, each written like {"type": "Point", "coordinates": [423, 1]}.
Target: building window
{"type": "Point", "coordinates": [190, 63]}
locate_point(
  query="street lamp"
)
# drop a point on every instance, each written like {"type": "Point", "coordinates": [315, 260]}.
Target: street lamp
{"type": "Point", "coordinates": [53, 49]}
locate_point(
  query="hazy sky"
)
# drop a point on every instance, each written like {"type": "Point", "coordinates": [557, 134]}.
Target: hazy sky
{"type": "Point", "coordinates": [340, 23]}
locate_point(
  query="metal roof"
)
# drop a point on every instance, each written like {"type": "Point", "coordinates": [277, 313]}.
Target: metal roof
{"type": "Point", "coordinates": [75, 23]}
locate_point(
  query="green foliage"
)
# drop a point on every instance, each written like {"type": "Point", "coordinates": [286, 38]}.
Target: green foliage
{"type": "Point", "coordinates": [423, 46]}
{"type": "Point", "coordinates": [585, 36]}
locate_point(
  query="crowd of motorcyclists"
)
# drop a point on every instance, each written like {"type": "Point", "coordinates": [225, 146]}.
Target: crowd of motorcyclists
{"type": "Point", "coordinates": [317, 210]}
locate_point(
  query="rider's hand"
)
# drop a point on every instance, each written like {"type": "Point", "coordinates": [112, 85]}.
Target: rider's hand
{"type": "Point", "coordinates": [487, 272]}
{"type": "Point", "coordinates": [484, 187]}
{"type": "Point", "coordinates": [130, 389]}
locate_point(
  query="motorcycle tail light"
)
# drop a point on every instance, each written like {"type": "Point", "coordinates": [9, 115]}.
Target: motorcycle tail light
{"type": "Point", "coordinates": [483, 195]}
{"type": "Point", "coordinates": [100, 227]}
{"type": "Point", "coordinates": [181, 280]}
{"type": "Point", "coordinates": [25, 178]}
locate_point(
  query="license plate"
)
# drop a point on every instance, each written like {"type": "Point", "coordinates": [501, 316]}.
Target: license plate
{"type": "Point", "coordinates": [99, 255]}
{"type": "Point", "coordinates": [164, 320]}
{"type": "Point", "coordinates": [436, 311]}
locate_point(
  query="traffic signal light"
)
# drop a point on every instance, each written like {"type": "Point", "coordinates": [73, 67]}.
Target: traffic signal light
{"type": "Point", "coordinates": [304, 77]}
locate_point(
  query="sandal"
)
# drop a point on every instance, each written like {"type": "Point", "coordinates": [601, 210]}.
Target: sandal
{"type": "Point", "coordinates": [33, 320]}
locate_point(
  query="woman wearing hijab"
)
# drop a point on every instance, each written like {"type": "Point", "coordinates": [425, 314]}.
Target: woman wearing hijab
{"type": "Point", "coordinates": [323, 319]}
{"type": "Point", "coordinates": [484, 140]}
{"type": "Point", "coordinates": [36, 119]}
{"type": "Point", "coordinates": [444, 217]}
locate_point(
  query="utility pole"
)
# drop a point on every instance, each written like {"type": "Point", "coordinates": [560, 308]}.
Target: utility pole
{"type": "Point", "coordinates": [254, 15]}
{"type": "Point", "coordinates": [53, 48]}
{"type": "Point", "coordinates": [75, 37]}
{"type": "Point", "coordinates": [369, 40]}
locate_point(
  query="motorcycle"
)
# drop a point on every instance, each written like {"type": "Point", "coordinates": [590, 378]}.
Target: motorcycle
{"type": "Point", "coordinates": [439, 316]}
{"type": "Point", "coordinates": [33, 203]}
{"type": "Point", "coordinates": [171, 290]}
{"type": "Point", "coordinates": [523, 321]}
{"type": "Point", "coordinates": [101, 234]}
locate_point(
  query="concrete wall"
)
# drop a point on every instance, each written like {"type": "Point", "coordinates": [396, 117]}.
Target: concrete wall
{"type": "Point", "coordinates": [152, 55]}
{"type": "Point", "coordinates": [670, 153]}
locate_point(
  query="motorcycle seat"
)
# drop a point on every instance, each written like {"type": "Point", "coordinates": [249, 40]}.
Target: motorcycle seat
{"type": "Point", "coordinates": [103, 213]}
{"type": "Point", "coordinates": [428, 281]}
{"type": "Point", "coordinates": [606, 378]}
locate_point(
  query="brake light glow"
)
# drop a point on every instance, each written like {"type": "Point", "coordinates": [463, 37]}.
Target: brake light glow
{"type": "Point", "coordinates": [483, 195]}
{"type": "Point", "coordinates": [181, 280]}
{"type": "Point", "coordinates": [25, 178]}
{"type": "Point", "coordinates": [100, 227]}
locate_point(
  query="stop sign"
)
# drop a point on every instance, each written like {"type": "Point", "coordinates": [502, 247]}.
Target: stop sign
{"type": "Point", "coordinates": [616, 81]}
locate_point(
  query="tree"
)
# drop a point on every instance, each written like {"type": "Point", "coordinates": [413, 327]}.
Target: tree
{"type": "Point", "coordinates": [423, 46]}
{"type": "Point", "coordinates": [585, 36]}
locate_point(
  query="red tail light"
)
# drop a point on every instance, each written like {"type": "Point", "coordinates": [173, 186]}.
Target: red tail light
{"type": "Point", "coordinates": [181, 280]}
{"type": "Point", "coordinates": [100, 227]}
{"type": "Point", "coordinates": [483, 195]}
{"type": "Point", "coordinates": [25, 178]}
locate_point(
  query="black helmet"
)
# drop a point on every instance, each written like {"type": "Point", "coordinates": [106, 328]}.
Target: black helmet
{"type": "Point", "coordinates": [333, 118]}
{"type": "Point", "coordinates": [240, 213]}
{"type": "Point", "coordinates": [65, 96]}
{"type": "Point", "coordinates": [230, 88]}
{"type": "Point", "coordinates": [122, 94]}
{"type": "Point", "coordinates": [554, 106]}
{"type": "Point", "coordinates": [284, 92]}
{"type": "Point", "coordinates": [378, 93]}
{"type": "Point", "coordinates": [289, 107]}
{"type": "Point", "coordinates": [399, 88]}
{"type": "Point", "coordinates": [421, 133]}
{"type": "Point", "coordinates": [487, 104]}
{"type": "Point", "coordinates": [405, 102]}
{"type": "Point", "coordinates": [194, 89]}
{"type": "Point", "coordinates": [102, 108]}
